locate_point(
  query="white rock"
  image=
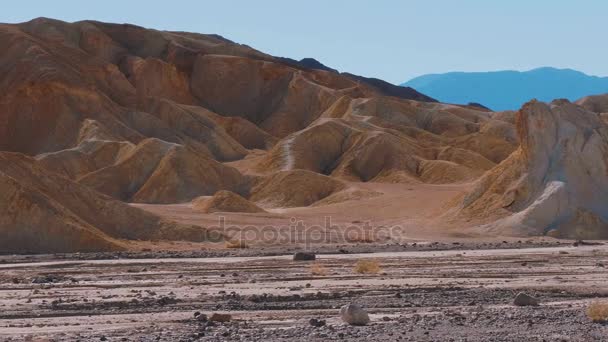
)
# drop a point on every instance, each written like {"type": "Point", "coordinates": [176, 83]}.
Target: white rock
{"type": "Point", "coordinates": [555, 182]}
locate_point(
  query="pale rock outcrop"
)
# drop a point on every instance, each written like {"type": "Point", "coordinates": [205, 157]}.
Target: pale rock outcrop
{"type": "Point", "coordinates": [556, 182]}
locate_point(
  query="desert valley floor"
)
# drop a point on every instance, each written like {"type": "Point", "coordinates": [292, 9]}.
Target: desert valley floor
{"type": "Point", "coordinates": [425, 291]}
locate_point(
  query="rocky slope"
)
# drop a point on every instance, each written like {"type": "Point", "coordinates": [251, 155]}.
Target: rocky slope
{"type": "Point", "coordinates": [122, 114]}
{"type": "Point", "coordinates": [555, 183]}
{"type": "Point", "coordinates": [595, 103]}
{"type": "Point", "coordinates": [44, 212]}
{"type": "Point", "coordinates": [384, 139]}
{"type": "Point", "coordinates": [225, 201]}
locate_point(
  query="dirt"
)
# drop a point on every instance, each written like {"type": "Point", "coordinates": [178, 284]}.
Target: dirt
{"type": "Point", "coordinates": [457, 291]}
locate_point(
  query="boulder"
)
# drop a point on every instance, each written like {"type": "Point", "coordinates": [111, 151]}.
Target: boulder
{"type": "Point", "coordinates": [317, 323]}
{"type": "Point", "coordinates": [353, 314]}
{"type": "Point", "coordinates": [304, 256]}
{"type": "Point", "coordinates": [523, 299]}
{"type": "Point", "coordinates": [200, 317]}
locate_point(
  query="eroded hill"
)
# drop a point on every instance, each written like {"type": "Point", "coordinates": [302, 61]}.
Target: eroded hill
{"type": "Point", "coordinates": [112, 114]}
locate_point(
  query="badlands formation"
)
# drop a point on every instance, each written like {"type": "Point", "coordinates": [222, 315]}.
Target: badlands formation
{"type": "Point", "coordinates": [555, 183]}
{"type": "Point", "coordinates": [113, 135]}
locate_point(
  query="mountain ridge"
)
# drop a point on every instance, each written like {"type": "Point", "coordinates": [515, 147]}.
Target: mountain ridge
{"type": "Point", "coordinates": [508, 89]}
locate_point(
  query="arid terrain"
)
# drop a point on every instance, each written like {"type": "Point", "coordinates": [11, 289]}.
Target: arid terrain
{"type": "Point", "coordinates": [149, 179]}
{"type": "Point", "coordinates": [422, 292]}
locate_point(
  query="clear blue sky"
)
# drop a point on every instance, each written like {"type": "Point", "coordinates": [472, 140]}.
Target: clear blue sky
{"type": "Point", "coordinates": [391, 39]}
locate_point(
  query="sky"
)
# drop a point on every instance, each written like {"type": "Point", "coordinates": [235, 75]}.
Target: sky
{"type": "Point", "coordinates": [394, 40]}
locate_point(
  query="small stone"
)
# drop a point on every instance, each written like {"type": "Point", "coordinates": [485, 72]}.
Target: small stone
{"type": "Point", "coordinates": [317, 323]}
{"type": "Point", "coordinates": [523, 299]}
{"type": "Point", "coordinates": [304, 256]}
{"type": "Point", "coordinates": [200, 317]}
{"type": "Point", "coordinates": [353, 314]}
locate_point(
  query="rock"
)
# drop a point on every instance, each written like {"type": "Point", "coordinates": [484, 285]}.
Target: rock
{"type": "Point", "coordinates": [46, 279]}
{"type": "Point", "coordinates": [555, 181]}
{"type": "Point", "coordinates": [317, 323]}
{"type": "Point", "coordinates": [595, 103]}
{"type": "Point", "coordinates": [221, 318]}
{"type": "Point", "coordinates": [200, 317]}
{"type": "Point", "coordinates": [304, 256]}
{"type": "Point", "coordinates": [523, 299]}
{"type": "Point", "coordinates": [353, 314]}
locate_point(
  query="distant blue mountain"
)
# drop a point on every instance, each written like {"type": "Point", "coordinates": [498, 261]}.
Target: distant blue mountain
{"type": "Point", "coordinates": [504, 90]}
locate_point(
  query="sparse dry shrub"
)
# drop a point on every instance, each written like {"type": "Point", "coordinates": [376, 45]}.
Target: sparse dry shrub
{"type": "Point", "coordinates": [598, 312]}
{"type": "Point", "coordinates": [367, 267]}
{"type": "Point", "coordinates": [318, 269]}
{"type": "Point", "coordinates": [236, 244]}
{"type": "Point", "coordinates": [365, 237]}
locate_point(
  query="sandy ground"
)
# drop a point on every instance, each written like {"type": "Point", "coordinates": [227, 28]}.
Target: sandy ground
{"type": "Point", "coordinates": [450, 293]}
{"type": "Point", "coordinates": [400, 212]}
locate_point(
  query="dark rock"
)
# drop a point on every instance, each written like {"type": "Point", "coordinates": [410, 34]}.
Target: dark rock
{"type": "Point", "coordinates": [304, 256]}
{"type": "Point", "coordinates": [317, 323]}
{"type": "Point", "coordinates": [523, 299]}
